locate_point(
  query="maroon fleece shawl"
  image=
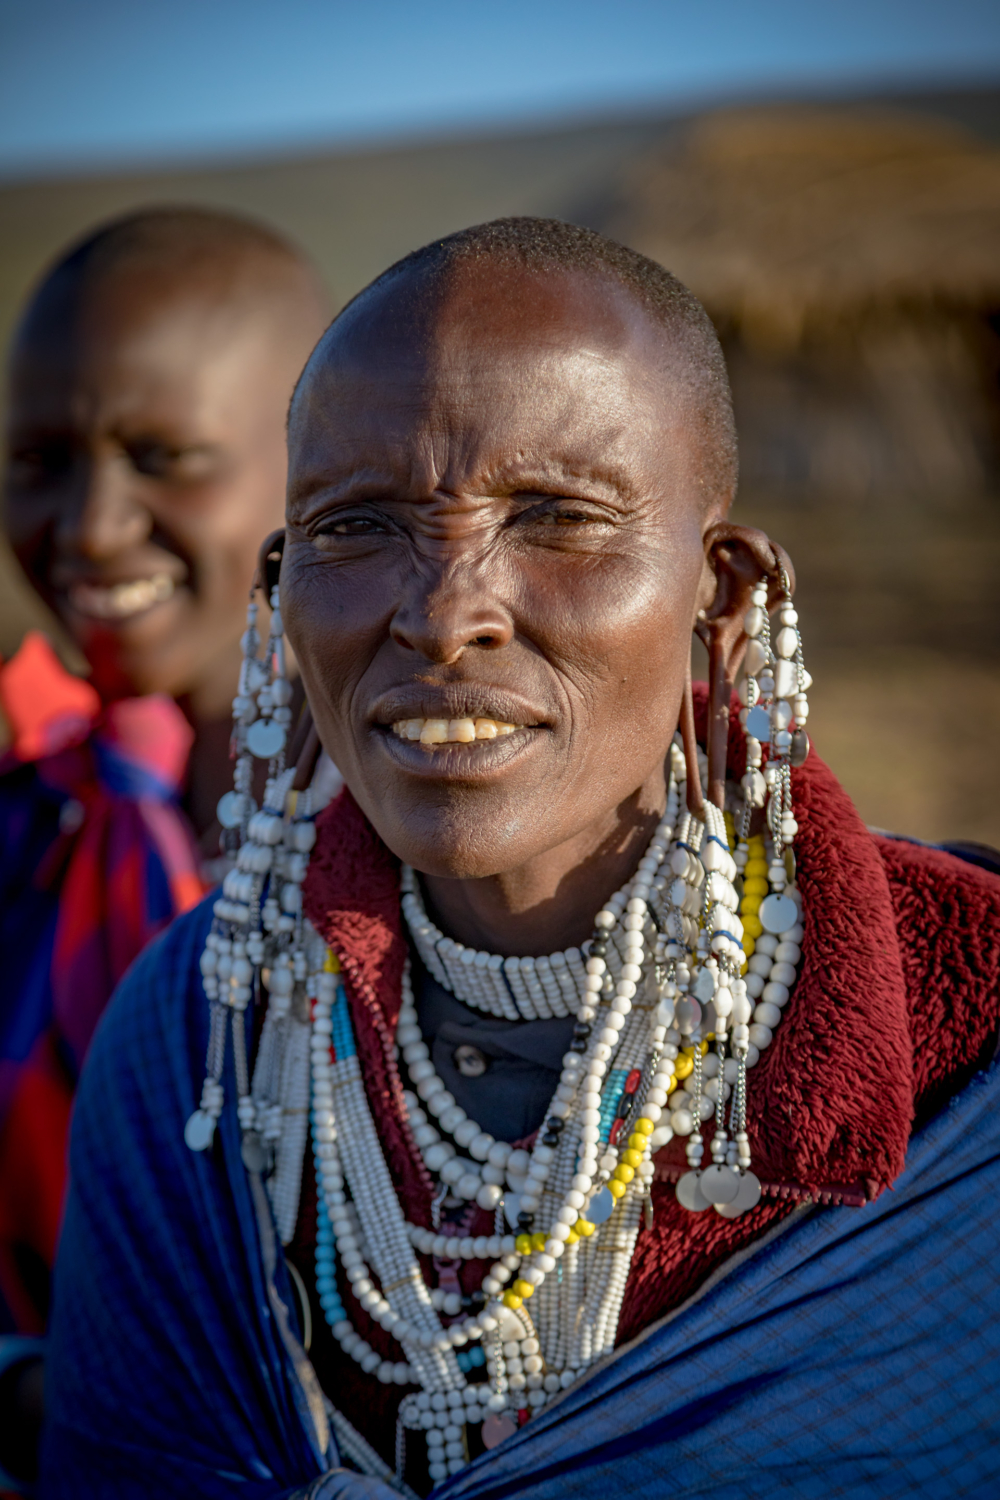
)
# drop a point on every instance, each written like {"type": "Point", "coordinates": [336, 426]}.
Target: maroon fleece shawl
{"type": "Point", "coordinates": [896, 1006]}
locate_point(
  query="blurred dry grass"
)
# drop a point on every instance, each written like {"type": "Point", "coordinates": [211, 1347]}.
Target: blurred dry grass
{"type": "Point", "coordinates": [869, 422]}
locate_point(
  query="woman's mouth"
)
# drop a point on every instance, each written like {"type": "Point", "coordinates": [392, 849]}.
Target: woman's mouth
{"type": "Point", "coordinates": [120, 601]}
{"type": "Point", "coordinates": [432, 732]}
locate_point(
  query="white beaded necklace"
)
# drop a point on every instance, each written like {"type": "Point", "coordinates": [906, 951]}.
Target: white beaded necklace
{"type": "Point", "coordinates": [664, 966]}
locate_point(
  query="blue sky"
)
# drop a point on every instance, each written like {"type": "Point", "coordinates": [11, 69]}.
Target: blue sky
{"type": "Point", "coordinates": [86, 83]}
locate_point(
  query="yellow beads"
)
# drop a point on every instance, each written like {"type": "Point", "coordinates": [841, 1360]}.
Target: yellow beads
{"type": "Point", "coordinates": [616, 1188]}
{"type": "Point", "coordinates": [584, 1227]}
{"type": "Point", "coordinates": [683, 1066]}
{"type": "Point", "coordinates": [643, 1126]}
{"type": "Point", "coordinates": [572, 1237]}
{"type": "Point", "coordinates": [538, 1241]}
{"type": "Point", "coordinates": [752, 926]}
{"type": "Point", "coordinates": [512, 1300]}
{"type": "Point", "coordinates": [624, 1172]}
{"type": "Point", "coordinates": [522, 1289]}
{"type": "Point", "coordinates": [636, 1142]}
{"type": "Point", "coordinates": [633, 1156]}
{"type": "Point", "coordinates": [331, 964]}
{"type": "Point", "coordinates": [523, 1244]}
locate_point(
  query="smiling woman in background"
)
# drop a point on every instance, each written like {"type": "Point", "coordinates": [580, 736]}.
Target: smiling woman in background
{"type": "Point", "coordinates": [149, 380]}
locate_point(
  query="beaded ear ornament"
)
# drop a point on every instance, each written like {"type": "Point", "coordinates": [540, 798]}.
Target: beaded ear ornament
{"type": "Point", "coordinates": [271, 847]}
{"type": "Point", "coordinates": [731, 953]}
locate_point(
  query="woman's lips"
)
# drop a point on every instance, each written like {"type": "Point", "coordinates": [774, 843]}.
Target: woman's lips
{"type": "Point", "coordinates": [120, 601]}
{"type": "Point", "coordinates": [466, 731]}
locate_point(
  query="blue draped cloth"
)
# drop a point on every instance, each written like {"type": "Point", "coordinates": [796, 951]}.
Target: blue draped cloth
{"type": "Point", "coordinates": [855, 1352]}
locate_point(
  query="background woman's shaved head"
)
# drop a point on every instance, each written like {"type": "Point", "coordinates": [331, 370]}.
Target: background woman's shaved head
{"type": "Point", "coordinates": [229, 262]}
{"type": "Point", "coordinates": [695, 356]}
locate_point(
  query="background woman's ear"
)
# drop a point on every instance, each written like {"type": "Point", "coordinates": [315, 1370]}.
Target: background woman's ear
{"type": "Point", "coordinates": [739, 557]}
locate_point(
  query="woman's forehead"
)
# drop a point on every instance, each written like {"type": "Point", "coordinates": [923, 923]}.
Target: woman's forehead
{"type": "Point", "coordinates": [532, 369]}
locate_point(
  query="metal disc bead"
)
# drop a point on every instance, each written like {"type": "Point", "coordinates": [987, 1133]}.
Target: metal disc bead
{"type": "Point", "coordinates": [719, 1184]}
{"type": "Point", "coordinates": [689, 1194]}
{"type": "Point", "coordinates": [778, 913]}
{"type": "Point", "coordinates": [265, 739]}
{"type": "Point", "coordinates": [198, 1131]}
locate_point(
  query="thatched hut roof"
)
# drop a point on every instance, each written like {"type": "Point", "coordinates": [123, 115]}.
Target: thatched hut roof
{"type": "Point", "coordinates": [784, 219]}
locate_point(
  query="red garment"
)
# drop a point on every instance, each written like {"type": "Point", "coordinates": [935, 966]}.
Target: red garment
{"type": "Point", "coordinates": [97, 859]}
{"type": "Point", "coordinates": [896, 1006]}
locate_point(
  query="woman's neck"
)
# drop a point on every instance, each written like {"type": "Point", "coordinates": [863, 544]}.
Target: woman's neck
{"type": "Point", "coordinates": [550, 903]}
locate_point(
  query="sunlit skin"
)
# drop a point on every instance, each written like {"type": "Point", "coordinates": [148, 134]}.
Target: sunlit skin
{"type": "Point", "coordinates": [146, 442]}
{"type": "Point", "coordinates": [496, 508]}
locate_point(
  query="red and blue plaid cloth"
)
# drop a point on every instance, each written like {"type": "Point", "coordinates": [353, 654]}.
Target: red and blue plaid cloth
{"type": "Point", "coordinates": [97, 858]}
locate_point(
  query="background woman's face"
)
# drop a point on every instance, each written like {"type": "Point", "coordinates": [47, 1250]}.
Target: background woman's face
{"type": "Point", "coordinates": [146, 461]}
{"type": "Point", "coordinates": [493, 514]}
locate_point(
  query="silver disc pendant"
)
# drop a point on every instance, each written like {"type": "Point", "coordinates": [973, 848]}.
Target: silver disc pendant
{"type": "Point", "coordinates": [265, 739]}
{"type": "Point", "coordinates": [601, 1207]}
{"type": "Point", "coordinates": [748, 1196]}
{"type": "Point", "coordinates": [759, 724]}
{"type": "Point", "coordinates": [233, 807]}
{"type": "Point", "coordinates": [198, 1131]}
{"type": "Point", "coordinates": [689, 1194]}
{"type": "Point", "coordinates": [719, 1184]}
{"type": "Point", "coordinates": [253, 1152]}
{"type": "Point", "coordinates": [778, 914]}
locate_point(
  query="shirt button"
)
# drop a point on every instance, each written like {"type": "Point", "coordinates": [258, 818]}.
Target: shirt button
{"type": "Point", "coordinates": [469, 1061]}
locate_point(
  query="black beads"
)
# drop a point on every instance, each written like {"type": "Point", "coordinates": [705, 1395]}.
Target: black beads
{"type": "Point", "coordinates": [526, 1223]}
{"type": "Point", "coordinates": [578, 1045]}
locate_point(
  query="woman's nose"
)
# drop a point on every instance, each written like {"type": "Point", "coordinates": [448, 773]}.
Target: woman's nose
{"type": "Point", "coordinates": [457, 611]}
{"type": "Point", "coordinates": [106, 517]}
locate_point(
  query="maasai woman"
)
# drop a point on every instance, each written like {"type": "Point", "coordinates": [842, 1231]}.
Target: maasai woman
{"type": "Point", "coordinates": [145, 454]}
{"type": "Point", "coordinates": [607, 1021]}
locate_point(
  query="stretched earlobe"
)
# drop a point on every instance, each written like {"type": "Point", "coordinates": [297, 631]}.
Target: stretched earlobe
{"type": "Point", "coordinates": [269, 562]}
{"type": "Point", "coordinates": [740, 557]}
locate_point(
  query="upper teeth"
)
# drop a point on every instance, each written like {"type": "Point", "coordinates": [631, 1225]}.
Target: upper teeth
{"type": "Point", "coordinates": [448, 731]}
{"type": "Point", "coordinates": [119, 599]}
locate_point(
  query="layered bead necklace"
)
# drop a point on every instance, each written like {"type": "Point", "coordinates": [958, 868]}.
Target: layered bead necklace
{"type": "Point", "coordinates": [676, 962]}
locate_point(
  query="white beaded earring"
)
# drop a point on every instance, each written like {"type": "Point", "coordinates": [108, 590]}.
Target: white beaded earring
{"type": "Point", "coordinates": [720, 936]}
{"type": "Point", "coordinates": [271, 848]}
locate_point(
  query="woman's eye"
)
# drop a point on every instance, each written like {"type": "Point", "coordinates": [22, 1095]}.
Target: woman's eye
{"type": "Point", "coordinates": [351, 526]}
{"type": "Point", "coordinates": [162, 461]}
{"type": "Point", "coordinates": [563, 515]}
{"type": "Point", "coordinates": [36, 465]}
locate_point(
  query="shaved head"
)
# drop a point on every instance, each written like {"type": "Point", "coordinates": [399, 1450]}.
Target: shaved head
{"type": "Point", "coordinates": [233, 266]}
{"type": "Point", "coordinates": [689, 346]}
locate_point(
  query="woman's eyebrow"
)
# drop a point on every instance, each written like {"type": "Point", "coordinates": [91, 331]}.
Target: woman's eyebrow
{"type": "Point", "coordinates": [600, 480]}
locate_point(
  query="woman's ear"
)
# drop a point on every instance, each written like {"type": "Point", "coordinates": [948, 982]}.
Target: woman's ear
{"type": "Point", "coordinates": [739, 557]}
{"type": "Point", "coordinates": [269, 562]}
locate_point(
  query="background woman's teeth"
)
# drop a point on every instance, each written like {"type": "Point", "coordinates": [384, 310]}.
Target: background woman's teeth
{"type": "Point", "coordinates": [450, 731]}
{"type": "Point", "coordinates": [122, 599]}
